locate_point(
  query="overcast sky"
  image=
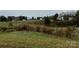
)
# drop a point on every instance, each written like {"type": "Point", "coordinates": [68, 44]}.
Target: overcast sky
{"type": "Point", "coordinates": [29, 13]}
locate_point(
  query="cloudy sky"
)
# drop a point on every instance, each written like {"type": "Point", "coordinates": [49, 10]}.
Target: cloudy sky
{"type": "Point", "coordinates": [30, 13]}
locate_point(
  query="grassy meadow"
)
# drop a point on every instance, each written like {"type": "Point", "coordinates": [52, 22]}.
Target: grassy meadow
{"type": "Point", "coordinates": [21, 39]}
{"type": "Point", "coordinates": [29, 38]}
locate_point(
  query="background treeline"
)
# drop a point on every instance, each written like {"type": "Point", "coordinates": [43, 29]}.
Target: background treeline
{"type": "Point", "coordinates": [63, 21]}
{"type": "Point", "coordinates": [53, 20]}
{"type": "Point", "coordinates": [11, 18]}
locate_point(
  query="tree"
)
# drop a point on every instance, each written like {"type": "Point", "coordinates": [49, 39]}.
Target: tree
{"type": "Point", "coordinates": [38, 18]}
{"type": "Point", "coordinates": [50, 17]}
{"type": "Point", "coordinates": [33, 18]}
{"type": "Point", "coordinates": [55, 17]}
{"type": "Point", "coordinates": [3, 18]}
{"type": "Point", "coordinates": [21, 18]}
{"type": "Point", "coordinates": [47, 20]}
{"type": "Point", "coordinates": [66, 17]}
{"type": "Point", "coordinates": [10, 18]}
{"type": "Point", "coordinates": [77, 17]}
{"type": "Point", "coordinates": [26, 18]}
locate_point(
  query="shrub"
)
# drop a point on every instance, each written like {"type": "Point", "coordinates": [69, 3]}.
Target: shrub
{"type": "Point", "coordinates": [3, 29]}
{"type": "Point", "coordinates": [18, 27]}
{"type": "Point", "coordinates": [67, 32]}
{"type": "Point", "coordinates": [28, 27]}
{"type": "Point", "coordinates": [24, 27]}
{"type": "Point", "coordinates": [10, 25]}
{"type": "Point", "coordinates": [59, 32]}
{"type": "Point", "coordinates": [47, 30]}
{"type": "Point", "coordinates": [38, 28]}
{"type": "Point", "coordinates": [70, 32]}
{"type": "Point", "coordinates": [32, 27]}
{"type": "Point", "coordinates": [10, 30]}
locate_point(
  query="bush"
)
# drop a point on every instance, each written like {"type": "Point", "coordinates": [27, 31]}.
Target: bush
{"type": "Point", "coordinates": [21, 27]}
{"type": "Point", "coordinates": [47, 30]}
{"type": "Point", "coordinates": [10, 30]}
{"type": "Point", "coordinates": [32, 27]}
{"type": "Point", "coordinates": [3, 29]}
{"type": "Point", "coordinates": [38, 28]}
{"type": "Point", "coordinates": [6, 29]}
{"type": "Point", "coordinates": [68, 32]}
{"type": "Point", "coordinates": [10, 24]}
{"type": "Point", "coordinates": [26, 27]}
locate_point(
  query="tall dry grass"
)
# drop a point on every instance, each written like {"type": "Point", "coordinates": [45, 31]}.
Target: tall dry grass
{"type": "Point", "coordinates": [57, 31]}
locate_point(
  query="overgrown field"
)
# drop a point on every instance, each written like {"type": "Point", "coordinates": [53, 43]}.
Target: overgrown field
{"type": "Point", "coordinates": [35, 34]}
{"type": "Point", "coordinates": [21, 39]}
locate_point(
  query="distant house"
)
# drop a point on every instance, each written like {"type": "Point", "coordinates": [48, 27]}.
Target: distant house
{"type": "Point", "coordinates": [60, 18]}
{"type": "Point", "coordinates": [69, 14]}
{"type": "Point", "coordinates": [24, 20]}
{"type": "Point", "coordinates": [39, 18]}
{"type": "Point", "coordinates": [70, 18]}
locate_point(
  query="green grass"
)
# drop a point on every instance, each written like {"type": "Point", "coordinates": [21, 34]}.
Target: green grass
{"type": "Point", "coordinates": [20, 39]}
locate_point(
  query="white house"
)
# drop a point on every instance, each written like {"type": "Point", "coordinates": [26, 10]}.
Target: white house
{"type": "Point", "coordinates": [70, 18]}
{"type": "Point", "coordinates": [60, 18]}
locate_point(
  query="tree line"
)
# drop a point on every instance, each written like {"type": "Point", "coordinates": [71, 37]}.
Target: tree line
{"type": "Point", "coordinates": [47, 19]}
{"type": "Point", "coordinates": [65, 21]}
{"type": "Point", "coordinates": [10, 18]}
